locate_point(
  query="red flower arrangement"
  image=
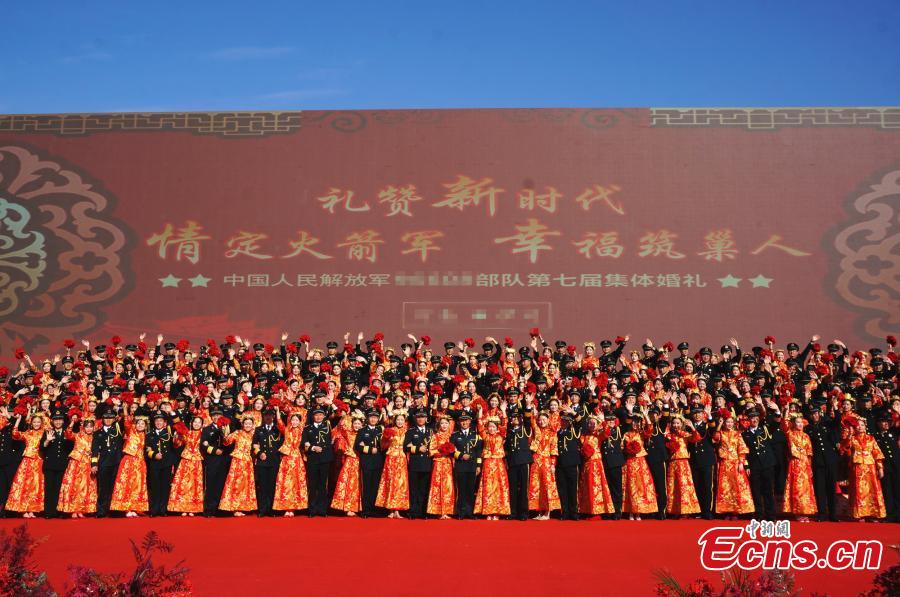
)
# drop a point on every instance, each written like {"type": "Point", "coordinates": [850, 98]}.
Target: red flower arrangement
{"type": "Point", "coordinates": [620, 340]}
{"type": "Point", "coordinates": [223, 421]}
{"type": "Point", "coordinates": [69, 343]}
{"type": "Point", "coordinates": [769, 340]}
{"type": "Point", "coordinates": [534, 332]}
{"type": "Point", "coordinates": [446, 449]}
{"type": "Point", "coordinates": [632, 447]}
{"type": "Point", "coordinates": [305, 338]}
{"type": "Point", "coordinates": [470, 342]}
{"type": "Point", "coordinates": [426, 340]}
{"type": "Point", "coordinates": [181, 428]}
{"type": "Point", "coordinates": [587, 450]}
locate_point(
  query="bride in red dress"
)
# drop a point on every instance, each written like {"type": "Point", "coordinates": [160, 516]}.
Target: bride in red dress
{"type": "Point", "coordinates": [638, 494]}
{"type": "Point", "coordinates": [347, 495]}
{"type": "Point", "coordinates": [130, 491]}
{"type": "Point", "coordinates": [594, 498]}
{"type": "Point", "coordinates": [78, 494]}
{"type": "Point", "coordinates": [492, 498]}
{"type": "Point", "coordinates": [866, 469]}
{"type": "Point", "coordinates": [393, 490]}
{"type": "Point", "coordinates": [442, 492]}
{"type": "Point", "coordinates": [799, 495]}
{"type": "Point", "coordinates": [239, 495]}
{"type": "Point", "coordinates": [27, 491]}
{"type": "Point", "coordinates": [290, 487]}
{"type": "Point", "coordinates": [186, 495]}
{"type": "Point", "coordinates": [543, 494]}
{"type": "Point", "coordinates": [682, 496]}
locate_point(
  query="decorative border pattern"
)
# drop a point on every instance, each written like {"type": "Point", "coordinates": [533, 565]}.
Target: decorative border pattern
{"type": "Point", "coordinates": [261, 124]}
{"type": "Point", "coordinates": [224, 124]}
{"type": "Point", "coordinates": [768, 119]}
{"type": "Point", "coordinates": [864, 268]}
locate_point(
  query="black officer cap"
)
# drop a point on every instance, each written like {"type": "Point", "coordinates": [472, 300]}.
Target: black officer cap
{"type": "Point", "coordinates": [58, 414]}
{"type": "Point", "coordinates": [421, 413]}
{"type": "Point", "coordinates": [68, 359]}
{"type": "Point", "coordinates": [464, 394]}
{"type": "Point", "coordinates": [487, 346]}
{"type": "Point", "coordinates": [169, 346]}
{"type": "Point", "coordinates": [227, 395]}
{"type": "Point", "coordinates": [449, 345]}
{"type": "Point", "coordinates": [314, 363]}
{"type": "Point", "coordinates": [706, 350]}
{"type": "Point", "coordinates": [646, 347]}
{"type": "Point", "coordinates": [372, 413]}
{"type": "Point", "coordinates": [512, 392]}
{"type": "Point", "coordinates": [560, 344]}
{"type": "Point", "coordinates": [725, 348]}
{"type": "Point", "coordinates": [318, 410]}
{"type": "Point", "coordinates": [465, 417]}
{"type": "Point", "coordinates": [100, 348]}
{"type": "Point", "coordinates": [683, 346]}
{"type": "Point", "coordinates": [331, 344]}
{"type": "Point", "coordinates": [605, 343]}
{"type": "Point", "coordinates": [793, 346]}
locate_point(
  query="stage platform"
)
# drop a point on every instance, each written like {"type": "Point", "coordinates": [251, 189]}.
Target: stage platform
{"type": "Point", "coordinates": [341, 556]}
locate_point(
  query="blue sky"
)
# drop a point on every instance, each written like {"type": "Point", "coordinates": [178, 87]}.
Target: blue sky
{"type": "Point", "coordinates": [82, 55]}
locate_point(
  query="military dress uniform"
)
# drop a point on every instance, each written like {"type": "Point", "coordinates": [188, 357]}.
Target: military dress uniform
{"type": "Point", "coordinates": [519, 458]}
{"type": "Point", "coordinates": [318, 465]}
{"type": "Point", "coordinates": [420, 465]}
{"type": "Point", "coordinates": [10, 457]}
{"type": "Point", "coordinates": [657, 456]}
{"type": "Point", "coordinates": [216, 461]}
{"type": "Point", "coordinates": [613, 461]}
{"type": "Point", "coordinates": [761, 459]}
{"type": "Point", "coordinates": [160, 450]}
{"type": "Point", "coordinates": [106, 453]}
{"type": "Point", "coordinates": [825, 462]}
{"type": "Point", "coordinates": [468, 443]}
{"type": "Point", "coordinates": [703, 468]}
{"type": "Point", "coordinates": [890, 483]}
{"type": "Point", "coordinates": [371, 463]}
{"type": "Point", "coordinates": [55, 454]}
{"type": "Point", "coordinates": [266, 440]}
{"type": "Point", "coordinates": [568, 445]}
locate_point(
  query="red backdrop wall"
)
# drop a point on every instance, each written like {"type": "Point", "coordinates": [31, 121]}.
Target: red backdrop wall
{"type": "Point", "coordinates": [692, 224]}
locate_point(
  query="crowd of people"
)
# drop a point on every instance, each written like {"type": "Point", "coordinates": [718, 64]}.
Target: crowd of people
{"type": "Point", "coordinates": [536, 431]}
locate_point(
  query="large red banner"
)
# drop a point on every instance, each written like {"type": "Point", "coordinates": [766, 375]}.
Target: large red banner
{"type": "Point", "coordinates": [695, 224]}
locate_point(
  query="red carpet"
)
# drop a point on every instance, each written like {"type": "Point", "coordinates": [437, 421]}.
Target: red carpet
{"type": "Point", "coordinates": [402, 557]}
